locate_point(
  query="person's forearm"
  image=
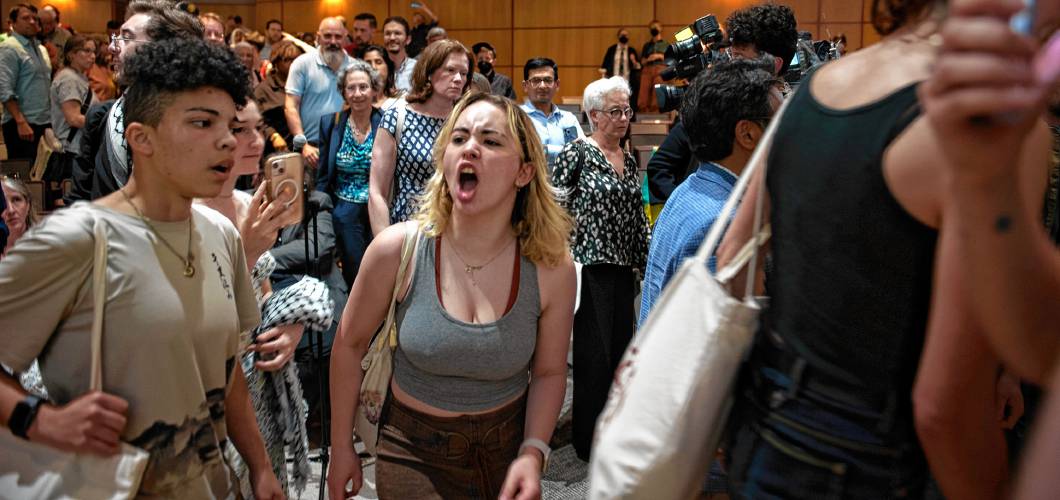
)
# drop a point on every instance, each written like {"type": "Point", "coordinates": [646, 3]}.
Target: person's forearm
{"type": "Point", "coordinates": [378, 212]}
{"type": "Point", "coordinates": [543, 404]}
{"type": "Point", "coordinates": [1002, 250]}
{"type": "Point", "coordinates": [294, 120]}
{"type": "Point", "coordinates": [243, 425]}
{"type": "Point", "coordinates": [10, 394]}
{"type": "Point", "coordinates": [11, 105]}
{"type": "Point", "coordinates": [345, 375]}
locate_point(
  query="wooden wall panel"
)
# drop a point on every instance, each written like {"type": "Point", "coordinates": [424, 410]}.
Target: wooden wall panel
{"type": "Point", "coordinates": [461, 14]}
{"type": "Point", "coordinates": [568, 47]}
{"type": "Point", "coordinates": [580, 13]}
{"type": "Point", "coordinates": [840, 11]}
{"type": "Point", "coordinates": [501, 40]}
{"type": "Point", "coordinates": [247, 11]}
{"type": "Point", "coordinates": [87, 16]}
{"type": "Point", "coordinates": [264, 11]}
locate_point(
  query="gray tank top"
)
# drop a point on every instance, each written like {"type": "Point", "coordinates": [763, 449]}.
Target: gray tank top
{"type": "Point", "coordinates": [458, 366]}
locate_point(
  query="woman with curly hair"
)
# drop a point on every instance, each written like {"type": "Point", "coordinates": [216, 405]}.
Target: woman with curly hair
{"type": "Point", "coordinates": [865, 371]}
{"type": "Point", "coordinates": [492, 285]}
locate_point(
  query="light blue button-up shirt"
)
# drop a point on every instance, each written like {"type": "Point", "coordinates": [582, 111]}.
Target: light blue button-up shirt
{"type": "Point", "coordinates": [403, 75]}
{"type": "Point", "coordinates": [555, 129]}
{"type": "Point", "coordinates": [311, 79]}
{"type": "Point", "coordinates": [25, 75]}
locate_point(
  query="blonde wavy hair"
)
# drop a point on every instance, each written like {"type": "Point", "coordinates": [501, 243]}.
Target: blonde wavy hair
{"type": "Point", "coordinates": [541, 225]}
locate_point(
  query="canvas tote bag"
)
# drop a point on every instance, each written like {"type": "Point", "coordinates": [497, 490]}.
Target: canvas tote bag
{"type": "Point", "coordinates": [378, 363]}
{"type": "Point", "coordinates": [672, 391]}
{"type": "Point", "coordinates": [34, 471]}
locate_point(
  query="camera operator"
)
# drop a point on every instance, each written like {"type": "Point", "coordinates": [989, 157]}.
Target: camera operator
{"type": "Point", "coordinates": [752, 31]}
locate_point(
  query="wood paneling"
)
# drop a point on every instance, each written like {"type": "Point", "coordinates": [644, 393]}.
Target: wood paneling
{"type": "Point", "coordinates": [247, 11]}
{"type": "Point", "coordinates": [501, 40]}
{"type": "Point", "coordinates": [840, 11]}
{"type": "Point", "coordinates": [462, 14]}
{"type": "Point", "coordinates": [581, 13]}
{"type": "Point", "coordinates": [88, 16]}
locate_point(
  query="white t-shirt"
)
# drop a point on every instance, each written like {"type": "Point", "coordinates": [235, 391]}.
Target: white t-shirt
{"type": "Point", "coordinates": [170, 342]}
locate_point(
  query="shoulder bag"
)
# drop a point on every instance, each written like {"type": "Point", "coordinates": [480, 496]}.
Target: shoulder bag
{"type": "Point", "coordinates": [31, 470]}
{"type": "Point", "coordinates": [672, 391]}
{"type": "Point", "coordinates": [378, 363]}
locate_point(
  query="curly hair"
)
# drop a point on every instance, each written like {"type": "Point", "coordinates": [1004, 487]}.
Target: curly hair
{"type": "Point", "coordinates": [541, 225]}
{"type": "Point", "coordinates": [889, 16]}
{"type": "Point", "coordinates": [770, 28]}
{"type": "Point", "coordinates": [718, 100]}
{"type": "Point", "coordinates": [149, 76]}
{"type": "Point", "coordinates": [168, 19]}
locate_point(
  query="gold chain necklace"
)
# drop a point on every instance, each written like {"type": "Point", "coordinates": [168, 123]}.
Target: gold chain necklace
{"type": "Point", "coordinates": [189, 266]}
{"type": "Point", "coordinates": [469, 269]}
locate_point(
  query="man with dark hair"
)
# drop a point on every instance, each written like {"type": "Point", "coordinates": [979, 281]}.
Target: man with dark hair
{"type": "Point", "coordinates": [104, 164]}
{"type": "Point", "coordinates": [25, 80]}
{"type": "Point", "coordinates": [174, 387]}
{"type": "Point", "coordinates": [312, 89]}
{"type": "Point", "coordinates": [556, 127]}
{"type": "Point", "coordinates": [52, 32]}
{"type": "Point", "coordinates": [724, 112]}
{"type": "Point", "coordinates": [486, 56]}
{"type": "Point", "coordinates": [273, 34]}
{"type": "Point", "coordinates": [364, 25]}
{"type": "Point", "coordinates": [113, 28]}
{"type": "Point", "coordinates": [766, 28]}
{"type": "Point", "coordinates": [396, 40]}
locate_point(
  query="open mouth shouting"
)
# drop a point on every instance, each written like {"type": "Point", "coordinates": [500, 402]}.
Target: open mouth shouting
{"type": "Point", "coordinates": [467, 181]}
{"type": "Point", "coordinates": [223, 169]}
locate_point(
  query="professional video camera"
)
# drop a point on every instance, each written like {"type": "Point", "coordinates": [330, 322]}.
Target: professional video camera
{"type": "Point", "coordinates": [687, 58]}
{"type": "Point", "coordinates": [809, 54]}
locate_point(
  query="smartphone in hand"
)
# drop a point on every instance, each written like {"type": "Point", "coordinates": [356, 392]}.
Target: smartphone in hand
{"type": "Point", "coordinates": [285, 177]}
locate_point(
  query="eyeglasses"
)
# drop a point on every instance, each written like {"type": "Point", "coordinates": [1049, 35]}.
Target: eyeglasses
{"type": "Point", "coordinates": [618, 113]}
{"type": "Point", "coordinates": [122, 40]}
{"type": "Point", "coordinates": [539, 81]}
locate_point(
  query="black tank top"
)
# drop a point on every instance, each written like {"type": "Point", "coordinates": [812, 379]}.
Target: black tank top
{"type": "Point", "coordinates": [850, 283]}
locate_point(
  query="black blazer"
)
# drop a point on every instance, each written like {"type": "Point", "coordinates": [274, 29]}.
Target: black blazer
{"type": "Point", "coordinates": [92, 174]}
{"type": "Point", "coordinates": [608, 63]}
{"type": "Point", "coordinates": [330, 142]}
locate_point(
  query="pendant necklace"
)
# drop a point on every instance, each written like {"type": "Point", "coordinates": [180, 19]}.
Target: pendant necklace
{"type": "Point", "coordinates": [469, 269]}
{"type": "Point", "coordinates": [189, 266]}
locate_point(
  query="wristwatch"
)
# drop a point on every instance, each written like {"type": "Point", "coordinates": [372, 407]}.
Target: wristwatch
{"type": "Point", "coordinates": [23, 414]}
{"type": "Point", "coordinates": [299, 141]}
{"type": "Point", "coordinates": [542, 447]}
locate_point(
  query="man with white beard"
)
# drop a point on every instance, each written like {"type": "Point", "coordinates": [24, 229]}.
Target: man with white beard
{"type": "Point", "coordinates": [312, 88]}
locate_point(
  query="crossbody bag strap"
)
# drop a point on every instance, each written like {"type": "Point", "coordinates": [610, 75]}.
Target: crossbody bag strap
{"type": "Point", "coordinates": [758, 160]}
{"type": "Point", "coordinates": [99, 295]}
{"type": "Point", "coordinates": [408, 246]}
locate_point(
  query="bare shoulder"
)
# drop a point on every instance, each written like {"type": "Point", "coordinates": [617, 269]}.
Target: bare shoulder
{"type": "Point", "coordinates": [557, 282]}
{"type": "Point", "coordinates": [387, 244]}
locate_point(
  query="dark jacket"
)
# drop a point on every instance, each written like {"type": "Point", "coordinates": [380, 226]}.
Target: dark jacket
{"type": "Point", "coordinates": [330, 142]}
{"type": "Point", "coordinates": [291, 259]}
{"type": "Point", "coordinates": [670, 164]}
{"type": "Point", "coordinates": [4, 231]}
{"type": "Point", "coordinates": [91, 172]}
{"type": "Point", "coordinates": [609, 62]}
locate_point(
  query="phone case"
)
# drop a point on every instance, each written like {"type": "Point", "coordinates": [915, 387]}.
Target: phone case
{"type": "Point", "coordinates": [285, 177]}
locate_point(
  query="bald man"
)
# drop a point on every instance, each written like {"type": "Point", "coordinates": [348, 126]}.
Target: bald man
{"type": "Point", "coordinates": [52, 32]}
{"type": "Point", "coordinates": [312, 87]}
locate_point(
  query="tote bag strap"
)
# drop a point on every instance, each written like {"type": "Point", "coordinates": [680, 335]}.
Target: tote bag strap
{"type": "Point", "coordinates": [408, 245]}
{"type": "Point", "coordinates": [99, 295]}
{"type": "Point", "coordinates": [759, 236]}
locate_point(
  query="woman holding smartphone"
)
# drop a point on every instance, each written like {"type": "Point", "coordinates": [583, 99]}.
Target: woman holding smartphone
{"type": "Point", "coordinates": [483, 321]}
{"type": "Point", "coordinates": [259, 222]}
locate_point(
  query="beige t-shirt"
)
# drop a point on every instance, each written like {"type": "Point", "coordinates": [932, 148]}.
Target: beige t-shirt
{"type": "Point", "coordinates": [169, 342]}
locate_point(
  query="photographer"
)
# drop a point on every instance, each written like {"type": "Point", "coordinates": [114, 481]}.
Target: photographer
{"type": "Point", "coordinates": [752, 31]}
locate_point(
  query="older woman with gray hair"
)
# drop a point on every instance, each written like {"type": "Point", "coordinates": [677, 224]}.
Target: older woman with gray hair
{"type": "Point", "coordinates": [610, 241]}
{"type": "Point", "coordinates": [346, 144]}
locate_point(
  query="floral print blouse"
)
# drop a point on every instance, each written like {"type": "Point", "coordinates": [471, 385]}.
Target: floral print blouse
{"type": "Point", "coordinates": [610, 224]}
